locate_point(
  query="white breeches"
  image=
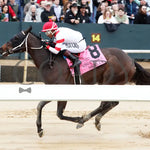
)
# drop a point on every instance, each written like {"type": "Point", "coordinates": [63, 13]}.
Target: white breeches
{"type": "Point", "coordinates": [74, 47]}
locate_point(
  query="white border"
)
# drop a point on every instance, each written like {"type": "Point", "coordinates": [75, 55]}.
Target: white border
{"type": "Point", "coordinates": [75, 92]}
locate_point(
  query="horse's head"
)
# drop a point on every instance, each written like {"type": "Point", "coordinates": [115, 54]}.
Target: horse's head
{"type": "Point", "coordinates": [15, 44]}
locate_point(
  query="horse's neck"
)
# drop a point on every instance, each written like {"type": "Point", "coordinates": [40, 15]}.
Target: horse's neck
{"type": "Point", "coordinates": [39, 55]}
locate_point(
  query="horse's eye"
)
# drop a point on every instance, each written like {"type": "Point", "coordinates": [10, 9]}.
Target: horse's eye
{"type": "Point", "coordinates": [8, 44]}
{"type": "Point", "coordinates": [16, 38]}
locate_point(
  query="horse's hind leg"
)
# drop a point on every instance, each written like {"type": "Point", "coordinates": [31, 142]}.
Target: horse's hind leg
{"type": "Point", "coordinates": [101, 110]}
{"type": "Point", "coordinates": [85, 118]}
{"type": "Point", "coordinates": [60, 109]}
{"type": "Point", "coordinates": [105, 107]}
{"type": "Point", "coordinates": [39, 117]}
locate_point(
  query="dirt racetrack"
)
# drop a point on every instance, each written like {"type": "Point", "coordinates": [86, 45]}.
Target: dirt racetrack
{"type": "Point", "coordinates": [126, 127]}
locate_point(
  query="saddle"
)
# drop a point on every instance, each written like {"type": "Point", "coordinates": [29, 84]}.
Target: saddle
{"type": "Point", "coordinates": [91, 58]}
{"type": "Point", "coordinates": [77, 78]}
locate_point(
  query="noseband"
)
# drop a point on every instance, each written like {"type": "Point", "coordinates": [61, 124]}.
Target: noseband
{"type": "Point", "coordinates": [15, 45]}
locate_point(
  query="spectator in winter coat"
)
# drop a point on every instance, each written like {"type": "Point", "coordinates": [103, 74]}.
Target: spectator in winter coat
{"type": "Point", "coordinates": [41, 7]}
{"type": "Point", "coordinates": [72, 16]}
{"type": "Point", "coordinates": [10, 10]}
{"type": "Point", "coordinates": [27, 6]}
{"type": "Point", "coordinates": [141, 16]}
{"type": "Point", "coordinates": [84, 17]}
{"type": "Point", "coordinates": [88, 11]}
{"type": "Point", "coordinates": [14, 6]}
{"type": "Point", "coordinates": [47, 13]}
{"type": "Point", "coordinates": [131, 9]}
{"type": "Point", "coordinates": [32, 15]}
{"type": "Point", "coordinates": [57, 11]}
{"type": "Point", "coordinates": [7, 14]}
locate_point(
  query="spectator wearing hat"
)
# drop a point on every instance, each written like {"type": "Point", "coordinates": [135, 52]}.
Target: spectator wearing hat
{"type": "Point", "coordinates": [72, 16]}
{"type": "Point", "coordinates": [84, 17]}
{"type": "Point", "coordinates": [47, 13]}
{"type": "Point", "coordinates": [88, 10]}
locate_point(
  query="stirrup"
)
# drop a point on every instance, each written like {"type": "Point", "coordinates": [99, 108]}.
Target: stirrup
{"type": "Point", "coordinates": [77, 77]}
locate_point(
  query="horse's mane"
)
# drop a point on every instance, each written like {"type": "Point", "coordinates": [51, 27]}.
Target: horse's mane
{"type": "Point", "coordinates": [17, 39]}
{"type": "Point", "coordinates": [37, 36]}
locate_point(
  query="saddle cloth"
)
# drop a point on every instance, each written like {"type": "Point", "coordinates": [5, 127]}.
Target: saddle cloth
{"type": "Point", "coordinates": [91, 58]}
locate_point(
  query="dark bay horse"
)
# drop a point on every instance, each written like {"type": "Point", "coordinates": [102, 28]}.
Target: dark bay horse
{"type": "Point", "coordinates": [119, 69]}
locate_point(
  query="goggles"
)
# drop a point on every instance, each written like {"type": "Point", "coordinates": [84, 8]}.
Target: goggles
{"type": "Point", "coordinates": [48, 32]}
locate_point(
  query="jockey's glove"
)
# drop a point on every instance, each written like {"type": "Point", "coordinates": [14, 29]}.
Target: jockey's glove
{"type": "Point", "coordinates": [44, 43]}
{"type": "Point", "coordinates": [47, 46]}
{"type": "Point", "coordinates": [52, 44]}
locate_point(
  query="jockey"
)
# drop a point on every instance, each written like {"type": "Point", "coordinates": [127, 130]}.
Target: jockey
{"type": "Point", "coordinates": [67, 41]}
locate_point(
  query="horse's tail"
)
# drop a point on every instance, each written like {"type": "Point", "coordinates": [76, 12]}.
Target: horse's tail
{"type": "Point", "coordinates": [141, 76]}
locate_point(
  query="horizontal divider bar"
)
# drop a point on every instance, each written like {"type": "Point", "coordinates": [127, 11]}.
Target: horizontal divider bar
{"type": "Point", "coordinates": [136, 51]}
{"type": "Point", "coordinates": [75, 92]}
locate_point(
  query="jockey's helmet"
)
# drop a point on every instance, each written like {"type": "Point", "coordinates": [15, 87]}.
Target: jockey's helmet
{"type": "Point", "coordinates": [50, 26]}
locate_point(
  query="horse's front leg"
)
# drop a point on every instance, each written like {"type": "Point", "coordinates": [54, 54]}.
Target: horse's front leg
{"type": "Point", "coordinates": [39, 117]}
{"type": "Point", "coordinates": [61, 105]}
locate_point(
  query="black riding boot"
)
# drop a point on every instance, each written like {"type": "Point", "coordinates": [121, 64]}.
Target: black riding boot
{"type": "Point", "coordinates": [74, 59]}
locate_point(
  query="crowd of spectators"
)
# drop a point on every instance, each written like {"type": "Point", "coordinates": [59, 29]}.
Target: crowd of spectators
{"type": "Point", "coordinates": [76, 11]}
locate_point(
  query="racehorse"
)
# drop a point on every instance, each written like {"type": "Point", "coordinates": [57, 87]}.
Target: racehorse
{"type": "Point", "coordinates": [119, 70]}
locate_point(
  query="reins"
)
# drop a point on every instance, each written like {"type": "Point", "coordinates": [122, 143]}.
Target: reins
{"type": "Point", "coordinates": [19, 46]}
{"type": "Point", "coordinates": [25, 41]}
{"type": "Point", "coordinates": [26, 44]}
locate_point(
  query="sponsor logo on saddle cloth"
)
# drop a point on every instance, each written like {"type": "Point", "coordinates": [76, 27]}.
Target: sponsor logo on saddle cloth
{"type": "Point", "coordinates": [91, 58]}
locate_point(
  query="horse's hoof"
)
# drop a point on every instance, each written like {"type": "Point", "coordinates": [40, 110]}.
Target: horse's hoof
{"type": "Point", "coordinates": [79, 125]}
{"type": "Point", "coordinates": [98, 126]}
{"type": "Point", "coordinates": [41, 133]}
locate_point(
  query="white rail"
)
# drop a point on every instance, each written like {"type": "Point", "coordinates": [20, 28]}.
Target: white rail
{"type": "Point", "coordinates": [75, 92]}
{"type": "Point", "coordinates": [78, 92]}
{"type": "Point", "coordinates": [136, 51]}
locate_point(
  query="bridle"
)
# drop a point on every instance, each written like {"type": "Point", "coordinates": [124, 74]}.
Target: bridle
{"type": "Point", "coordinates": [18, 47]}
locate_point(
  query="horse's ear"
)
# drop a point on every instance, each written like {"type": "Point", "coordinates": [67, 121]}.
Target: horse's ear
{"type": "Point", "coordinates": [28, 30]}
